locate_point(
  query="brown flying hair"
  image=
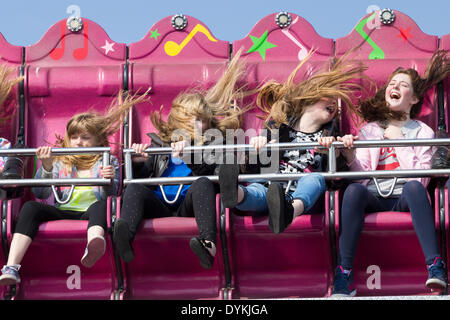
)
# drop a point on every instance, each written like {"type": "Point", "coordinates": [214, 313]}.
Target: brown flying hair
{"type": "Point", "coordinates": [376, 108]}
{"type": "Point", "coordinates": [99, 125]}
{"type": "Point", "coordinates": [287, 100]}
{"type": "Point", "coordinates": [218, 106]}
{"type": "Point", "coordinates": [7, 83]}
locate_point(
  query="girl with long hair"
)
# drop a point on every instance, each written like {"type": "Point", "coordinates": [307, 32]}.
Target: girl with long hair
{"type": "Point", "coordinates": [392, 114]}
{"type": "Point", "coordinates": [299, 112]}
{"type": "Point", "coordinates": [89, 129]}
{"type": "Point", "coordinates": [194, 115]}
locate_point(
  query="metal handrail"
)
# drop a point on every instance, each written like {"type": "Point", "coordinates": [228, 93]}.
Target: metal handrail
{"type": "Point", "coordinates": [331, 175]}
{"type": "Point", "coordinates": [299, 145]}
{"type": "Point", "coordinates": [60, 181]}
{"type": "Point", "coordinates": [354, 175]}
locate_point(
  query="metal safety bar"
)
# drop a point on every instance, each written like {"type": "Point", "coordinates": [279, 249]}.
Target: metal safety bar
{"type": "Point", "coordinates": [105, 151]}
{"type": "Point", "coordinates": [330, 175]}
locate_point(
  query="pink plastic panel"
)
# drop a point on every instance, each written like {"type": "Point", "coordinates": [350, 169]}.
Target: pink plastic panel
{"type": "Point", "coordinates": [445, 45]}
{"type": "Point", "coordinates": [164, 266]}
{"type": "Point", "coordinates": [67, 73]}
{"type": "Point", "coordinates": [272, 52]}
{"type": "Point", "coordinates": [295, 263]}
{"type": "Point", "coordinates": [11, 56]}
{"type": "Point", "coordinates": [383, 48]}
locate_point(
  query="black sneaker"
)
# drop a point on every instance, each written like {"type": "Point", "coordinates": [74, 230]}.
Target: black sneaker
{"type": "Point", "coordinates": [228, 181]}
{"type": "Point", "coordinates": [437, 279]}
{"type": "Point", "coordinates": [200, 248]}
{"type": "Point", "coordinates": [13, 168]}
{"type": "Point", "coordinates": [122, 240]}
{"type": "Point", "coordinates": [281, 211]}
{"type": "Point", "coordinates": [343, 284]}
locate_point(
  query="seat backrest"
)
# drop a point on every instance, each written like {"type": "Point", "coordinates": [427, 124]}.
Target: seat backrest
{"type": "Point", "coordinates": [383, 48]}
{"type": "Point", "coordinates": [272, 53]}
{"type": "Point", "coordinates": [67, 73]}
{"type": "Point", "coordinates": [171, 61]}
{"type": "Point", "coordinates": [445, 45]}
{"type": "Point", "coordinates": [298, 261]}
{"type": "Point", "coordinates": [11, 56]}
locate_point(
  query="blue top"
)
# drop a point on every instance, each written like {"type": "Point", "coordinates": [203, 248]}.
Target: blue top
{"type": "Point", "coordinates": [176, 168]}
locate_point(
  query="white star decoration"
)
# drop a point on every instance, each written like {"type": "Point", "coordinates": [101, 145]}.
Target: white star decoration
{"type": "Point", "coordinates": [108, 47]}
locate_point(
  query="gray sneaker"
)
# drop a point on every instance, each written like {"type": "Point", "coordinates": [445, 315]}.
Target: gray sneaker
{"type": "Point", "coordinates": [10, 275]}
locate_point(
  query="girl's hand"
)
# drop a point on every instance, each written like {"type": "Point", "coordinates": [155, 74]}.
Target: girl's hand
{"type": "Point", "coordinates": [325, 142]}
{"type": "Point", "coordinates": [178, 147]}
{"type": "Point", "coordinates": [45, 155]}
{"type": "Point", "coordinates": [259, 142]}
{"type": "Point", "coordinates": [348, 151]}
{"type": "Point", "coordinates": [107, 172]}
{"type": "Point", "coordinates": [139, 148]}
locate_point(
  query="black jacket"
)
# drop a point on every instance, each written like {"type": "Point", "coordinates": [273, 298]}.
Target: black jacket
{"type": "Point", "coordinates": [156, 164]}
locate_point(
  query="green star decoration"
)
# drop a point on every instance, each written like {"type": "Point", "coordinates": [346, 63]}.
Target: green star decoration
{"type": "Point", "coordinates": [261, 44]}
{"type": "Point", "coordinates": [155, 34]}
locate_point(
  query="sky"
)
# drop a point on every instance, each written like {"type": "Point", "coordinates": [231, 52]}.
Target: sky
{"type": "Point", "coordinates": [24, 22]}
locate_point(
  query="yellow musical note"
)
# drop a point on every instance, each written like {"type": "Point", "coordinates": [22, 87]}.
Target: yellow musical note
{"type": "Point", "coordinates": [172, 48]}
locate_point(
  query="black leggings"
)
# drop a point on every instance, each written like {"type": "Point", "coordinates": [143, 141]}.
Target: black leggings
{"type": "Point", "coordinates": [358, 200]}
{"type": "Point", "coordinates": [33, 213]}
{"type": "Point", "coordinates": [140, 202]}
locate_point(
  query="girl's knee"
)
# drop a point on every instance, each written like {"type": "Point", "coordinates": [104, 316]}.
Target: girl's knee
{"type": "Point", "coordinates": [314, 179]}
{"type": "Point", "coordinates": [413, 186]}
{"type": "Point", "coordinates": [356, 189]}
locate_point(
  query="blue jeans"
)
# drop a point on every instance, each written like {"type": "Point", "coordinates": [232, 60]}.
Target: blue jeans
{"type": "Point", "coordinates": [309, 189]}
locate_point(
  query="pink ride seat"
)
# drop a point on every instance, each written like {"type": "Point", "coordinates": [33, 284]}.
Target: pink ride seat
{"type": "Point", "coordinates": [67, 73]}
{"type": "Point", "coordinates": [297, 262]}
{"type": "Point", "coordinates": [164, 267]}
{"type": "Point", "coordinates": [389, 259]}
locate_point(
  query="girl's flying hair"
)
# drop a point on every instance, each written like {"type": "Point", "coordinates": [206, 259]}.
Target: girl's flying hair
{"type": "Point", "coordinates": [376, 107]}
{"type": "Point", "coordinates": [218, 106]}
{"type": "Point", "coordinates": [99, 125]}
{"type": "Point", "coordinates": [287, 100]}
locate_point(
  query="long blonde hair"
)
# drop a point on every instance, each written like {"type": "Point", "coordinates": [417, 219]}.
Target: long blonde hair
{"type": "Point", "coordinates": [7, 83]}
{"type": "Point", "coordinates": [98, 125]}
{"type": "Point", "coordinates": [283, 101]}
{"type": "Point", "coordinates": [219, 106]}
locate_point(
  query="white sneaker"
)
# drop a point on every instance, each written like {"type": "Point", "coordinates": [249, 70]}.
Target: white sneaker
{"type": "Point", "coordinates": [95, 249]}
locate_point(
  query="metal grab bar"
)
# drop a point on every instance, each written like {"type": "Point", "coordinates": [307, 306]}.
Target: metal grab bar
{"type": "Point", "coordinates": [55, 182]}
{"type": "Point", "coordinates": [56, 151]}
{"type": "Point", "coordinates": [300, 145]}
{"type": "Point", "coordinates": [353, 175]}
{"type": "Point", "coordinates": [58, 182]}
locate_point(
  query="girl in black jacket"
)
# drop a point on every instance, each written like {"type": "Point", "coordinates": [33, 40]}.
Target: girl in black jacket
{"type": "Point", "coordinates": [192, 116]}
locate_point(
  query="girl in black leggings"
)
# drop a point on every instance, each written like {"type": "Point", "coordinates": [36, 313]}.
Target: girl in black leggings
{"type": "Point", "coordinates": [192, 114]}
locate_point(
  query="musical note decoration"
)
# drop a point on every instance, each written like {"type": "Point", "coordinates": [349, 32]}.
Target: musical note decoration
{"type": "Point", "coordinates": [303, 52]}
{"type": "Point", "coordinates": [173, 49]}
{"type": "Point", "coordinates": [376, 53]}
{"type": "Point", "coordinates": [79, 53]}
{"type": "Point", "coordinates": [261, 45]}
